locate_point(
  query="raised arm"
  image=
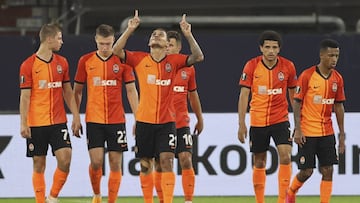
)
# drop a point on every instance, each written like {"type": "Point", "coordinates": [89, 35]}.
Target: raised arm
{"type": "Point", "coordinates": [118, 48]}
{"type": "Point", "coordinates": [196, 53]}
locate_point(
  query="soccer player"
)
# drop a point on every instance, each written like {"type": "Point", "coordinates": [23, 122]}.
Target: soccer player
{"type": "Point", "coordinates": [104, 74]}
{"type": "Point", "coordinates": [184, 88]}
{"type": "Point", "coordinates": [267, 78]}
{"type": "Point", "coordinates": [155, 131]}
{"type": "Point", "coordinates": [45, 84]}
{"type": "Point", "coordinates": [320, 89]}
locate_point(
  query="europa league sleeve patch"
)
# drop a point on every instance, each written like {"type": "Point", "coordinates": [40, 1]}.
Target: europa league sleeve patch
{"type": "Point", "coordinates": [22, 79]}
{"type": "Point", "coordinates": [243, 76]}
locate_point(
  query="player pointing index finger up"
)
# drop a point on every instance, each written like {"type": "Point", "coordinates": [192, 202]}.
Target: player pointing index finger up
{"type": "Point", "coordinates": [185, 26]}
{"type": "Point", "coordinates": [135, 21]}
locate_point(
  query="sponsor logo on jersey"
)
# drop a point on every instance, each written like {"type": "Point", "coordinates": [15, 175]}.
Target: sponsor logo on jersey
{"type": "Point", "coordinates": [54, 84]}
{"type": "Point", "coordinates": [163, 82]}
{"type": "Point", "coordinates": [97, 81]}
{"type": "Point", "coordinates": [43, 84]}
{"type": "Point", "coordinates": [179, 89]}
{"type": "Point", "coordinates": [318, 99]}
{"type": "Point", "coordinates": [263, 90]}
{"type": "Point", "coordinates": [151, 79]}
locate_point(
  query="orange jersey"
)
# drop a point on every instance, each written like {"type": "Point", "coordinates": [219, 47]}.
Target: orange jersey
{"type": "Point", "coordinates": [45, 79]}
{"type": "Point", "coordinates": [268, 103]}
{"type": "Point", "coordinates": [104, 79]}
{"type": "Point", "coordinates": [184, 82]}
{"type": "Point", "coordinates": [156, 85]}
{"type": "Point", "coordinates": [318, 95]}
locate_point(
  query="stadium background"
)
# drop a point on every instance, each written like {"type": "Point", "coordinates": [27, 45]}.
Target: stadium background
{"type": "Point", "coordinates": [227, 46]}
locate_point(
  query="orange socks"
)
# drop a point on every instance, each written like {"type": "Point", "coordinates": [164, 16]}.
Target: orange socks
{"type": "Point", "coordinates": [325, 191]}
{"type": "Point", "coordinates": [259, 178]}
{"type": "Point", "coordinates": [168, 186]}
{"type": "Point", "coordinates": [147, 187]}
{"type": "Point", "coordinates": [284, 176]}
{"type": "Point", "coordinates": [58, 182]}
{"type": "Point", "coordinates": [157, 176]}
{"type": "Point", "coordinates": [113, 185]}
{"type": "Point", "coordinates": [295, 186]}
{"type": "Point", "coordinates": [188, 183]}
{"type": "Point", "coordinates": [38, 180]}
{"type": "Point", "coordinates": [95, 178]}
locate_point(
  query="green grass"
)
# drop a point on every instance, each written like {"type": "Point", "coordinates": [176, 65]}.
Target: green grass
{"type": "Point", "coordinates": [216, 199]}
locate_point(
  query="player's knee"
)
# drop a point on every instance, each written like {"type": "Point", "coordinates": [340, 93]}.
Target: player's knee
{"type": "Point", "coordinates": [146, 166]}
{"type": "Point", "coordinates": [305, 174]}
{"type": "Point", "coordinates": [284, 152]}
{"type": "Point", "coordinates": [166, 161]}
{"type": "Point", "coordinates": [185, 161]}
{"type": "Point", "coordinates": [327, 172]}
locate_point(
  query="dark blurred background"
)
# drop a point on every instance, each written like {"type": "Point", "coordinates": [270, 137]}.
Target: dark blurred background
{"type": "Point", "coordinates": [227, 31]}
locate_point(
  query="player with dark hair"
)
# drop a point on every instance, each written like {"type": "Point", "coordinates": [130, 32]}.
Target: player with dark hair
{"type": "Point", "coordinates": [267, 78]}
{"type": "Point", "coordinates": [155, 118]}
{"type": "Point", "coordinates": [184, 90]}
{"type": "Point", "coordinates": [320, 89]}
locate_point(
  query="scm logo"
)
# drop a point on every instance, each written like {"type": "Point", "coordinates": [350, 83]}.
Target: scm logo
{"type": "Point", "coordinates": [163, 82]}
{"type": "Point", "coordinates": [54, 84]}
{"type": "Point", "coordinates": [274, 91]}
{"type": "Point", "coordinates": [327, 101]}
{"type": "Point", "coordinates": [108, 83]}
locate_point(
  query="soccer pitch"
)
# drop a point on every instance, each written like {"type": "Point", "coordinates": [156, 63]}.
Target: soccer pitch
{"type": "Point", "coordinates": [207, 199]}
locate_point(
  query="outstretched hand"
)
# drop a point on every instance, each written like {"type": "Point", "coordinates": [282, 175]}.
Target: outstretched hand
{"type": "Point", "coordinates": [135, 21]}
{"type": "Point", "coordinates": [185, 26]}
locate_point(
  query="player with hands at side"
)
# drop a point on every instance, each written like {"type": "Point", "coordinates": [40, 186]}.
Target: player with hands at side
{"type": "Point", "coordinates": [45, 85]}
{"type": "Point", "coordinates": [268, 78]}
{"type": "Point", "coordinates": [104, 76]}
{"type": "Point", "coordinates": [319, 91]}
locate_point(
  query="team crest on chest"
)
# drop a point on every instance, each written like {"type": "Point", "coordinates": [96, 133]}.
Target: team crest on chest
{"type": "Point", "coordinates": [183, 75]}
{"type": "Point", "coordinates": [59, 69]}
{"type": "Point", "coordinates": [281, 76]}
{"type": "Point", "coordinates": [116, 68]}
{"type": "Point", "coordinates": [334, 87]}
{"type": "Point", "coordinates": [168, 67]}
